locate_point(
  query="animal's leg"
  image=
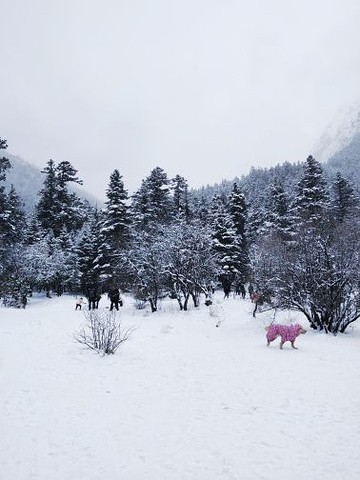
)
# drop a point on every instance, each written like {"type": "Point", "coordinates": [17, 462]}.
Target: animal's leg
{"type": "Point", "coordinates": [292, 344]}
{"type": "Point", "coordinates": [269, 341]}
{"type": "Point", "coordinates": [281, 345]}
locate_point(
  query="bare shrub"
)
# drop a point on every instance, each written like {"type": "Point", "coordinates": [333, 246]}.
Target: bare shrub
{"type": "Point", "coordinates": [102, 332]}
{"type": "Point", "coordinates": [139, 304]}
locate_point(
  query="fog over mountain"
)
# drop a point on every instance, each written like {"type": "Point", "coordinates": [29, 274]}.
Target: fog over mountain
{"type": "Point", "coordinates": [339, 133]}
{"type": "Point", "coordinates": [339, 145]}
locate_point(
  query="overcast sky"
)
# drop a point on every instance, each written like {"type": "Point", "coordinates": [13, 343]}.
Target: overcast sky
{"type": "Point", "coordinates": [203, 88]}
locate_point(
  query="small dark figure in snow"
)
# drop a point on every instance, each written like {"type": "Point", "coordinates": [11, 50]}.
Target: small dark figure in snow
{"type": "Point", "coordinates": [79, 303]}
{"type": "Point", "coordinates": [93, 298]}
{"type": "Point", "coordinates": [227, 288]}
{"type": "Point", "coordinates": [251, 289]}
{"type": "Point", "coordinates": [256, 298]}
{"type": "Point", "coordinates": [115, 300]}
{"type": "Point", "coordinates": [242, 290]}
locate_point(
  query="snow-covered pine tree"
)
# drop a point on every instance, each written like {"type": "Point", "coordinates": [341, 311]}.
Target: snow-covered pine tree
{"type": "Point", "coordinates": [151, 204]}
{"type": "Point", "coordinates": [88, 255]}
{"type": "Point", "coordinates": [57, 207]}
{"type": "Point", "coordinates": [114, 231]}
{"type": "Point", "coordinates": [34, 232]}
{"type": "Point", "coordinates": [48, 208]}
{"type": "Point", "coordinates": [200, 208]}
{"type": "Point", "coordinates": [4, 166]}
{"type": "Point", "coordinates": [12, 288]}
{"type": "Point", "coordinates": [72, 211]}
{"type": "Point", "coordinates": [225, 243]}
{"type": "Point", "coordinates": [312, 199]}
{"type": "Point", "coordinates": [345, 201]}
{"type": "Point", "coordinates": [116, 219]}
{"type": "Point", "coordinates": [238, 213]}
{"type": "Point", "coordinates": [179, 187]}
{"type": "Point", "coordinates": [280, 218]}
{"type": "Point", "coordinates": [16, 216]}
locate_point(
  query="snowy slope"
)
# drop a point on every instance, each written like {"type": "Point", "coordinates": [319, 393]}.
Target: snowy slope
{"type": "Point", "coordinates": [339, 134]}
{"type": "Point", "coordinates": [181, 399]}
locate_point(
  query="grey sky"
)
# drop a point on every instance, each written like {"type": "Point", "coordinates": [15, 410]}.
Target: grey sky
{"type": "Point", "coordinates": [203, 88]}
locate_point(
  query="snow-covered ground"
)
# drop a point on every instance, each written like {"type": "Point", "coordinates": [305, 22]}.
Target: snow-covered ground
{"type": "Point", "coordinates": [181, 399]}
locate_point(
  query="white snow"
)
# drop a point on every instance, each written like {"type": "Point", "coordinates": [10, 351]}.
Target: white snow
{"type": "Point", "coordinates": [181, 399]}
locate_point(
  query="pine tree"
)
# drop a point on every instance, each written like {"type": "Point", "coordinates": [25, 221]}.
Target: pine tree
{"type": "Point", "coordinates": [151, 204]}
{"type": "Point", "coordinates": [70, 215]}
{"type": "Point", "coordinates": [16, 217]}
{"type": "Point", "coordinates": [238, 213]}
{"type": "Point", "coordinates": [88, 255]}
{"type": "Point", "coordinates": [4, 213]}
{"type": "Point", "coordinates": [180, 197]}
{"type": "Point", "coordinates": [200, 209]}
{"type": "Point", "coordinates": [345, 201]}
{"type": "Point", "coordinates": [48, 209]}
{"type": "Point", "coordinates": [312, 197]}
{"type": "Point", "coordinates": [34, 232]}
{"type": "Point", "coordinates": [225, 243]}
{"type": "Point", "coordinates": [280, 216]}
{"type": "Point", "coordinates": [12, 286]}
{"type": "Point", "coordinates": [116, 219]}
{"type": "Point", "coordinates": [57, 208]}
{"type": "Point", "coordinates": [115, 231]}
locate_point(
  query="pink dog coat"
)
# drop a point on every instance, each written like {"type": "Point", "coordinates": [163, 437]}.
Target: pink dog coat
{"type": "Point", "coordinates": [286, 332]}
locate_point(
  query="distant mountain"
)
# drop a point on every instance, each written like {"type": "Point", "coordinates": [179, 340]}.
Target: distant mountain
{"type": "Point", "coordinates": [347, 161]}
{"type": "Point", "coordinates": [339, 133]}
{"type": "Point", "coordinates": [339, 146]}
{"type": "Point", "coordinates": [28, 181]}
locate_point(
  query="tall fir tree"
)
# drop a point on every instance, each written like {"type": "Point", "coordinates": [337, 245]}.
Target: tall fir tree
{"type": "Point", "coordinates": [280, 217]}
{"type": "Point", "coordinates": [88, 256]}
{"type": "Point", "coordinates": [115, 230]}
{"type": "Point", "coordinates": [48, 208]}
{"type": "Point", "coordinates": [225, 242]}
{"type": "Point", "coordinates": [151, 205]}
{"type": "Point", "coordinates": [312, 200]}
{"type": "Point", "coordinates": [57, 207]}
{"type": "Point", "coordinates": [16, 216]}
{"type": "Point", "coordinates": [116, 219]}
{"type": "Point", "coordinates": [4, 166]}
{"type": "Point", "coordinates": [238, 213]}
{"type": "Point", "coordinates": [345, 201]}
{"type": "Point", "coordinates": [180, 197]}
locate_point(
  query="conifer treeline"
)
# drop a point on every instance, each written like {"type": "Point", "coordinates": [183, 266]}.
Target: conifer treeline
{"type": "Point", "coordinates": [295, 238]}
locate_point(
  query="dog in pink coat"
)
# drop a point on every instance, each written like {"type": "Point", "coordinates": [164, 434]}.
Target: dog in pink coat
{"type": "Point", "coordinates": [288, 333]}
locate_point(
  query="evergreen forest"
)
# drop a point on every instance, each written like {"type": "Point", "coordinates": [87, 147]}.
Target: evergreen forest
{"type": "Point", "coordinates": [291, 231]}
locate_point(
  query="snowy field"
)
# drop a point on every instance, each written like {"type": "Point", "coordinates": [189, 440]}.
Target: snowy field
{"type": "Point", "coordinates": [181, 399]}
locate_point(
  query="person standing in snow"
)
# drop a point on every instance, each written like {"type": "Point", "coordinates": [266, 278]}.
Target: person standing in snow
{"type": "Point", "coordinates": [114, 296]}
{"type": "Point", "coordinates": [79, 303]}
{"type": "Point", "coordinates": [93, 298]}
